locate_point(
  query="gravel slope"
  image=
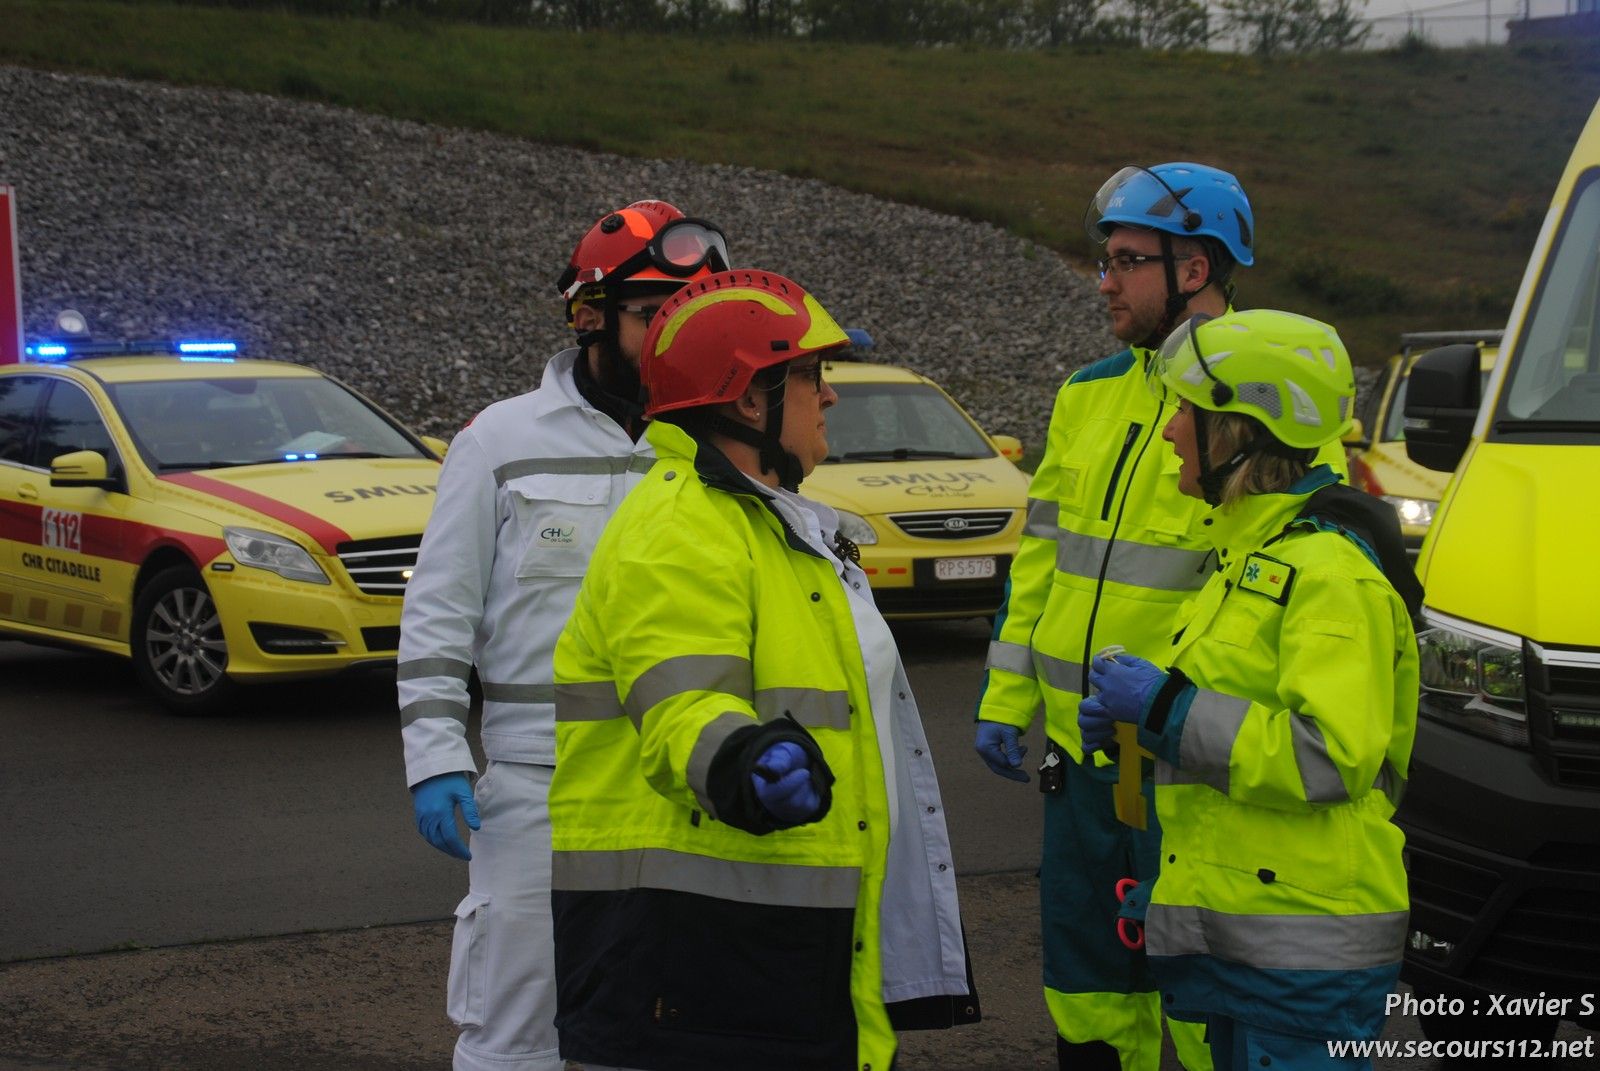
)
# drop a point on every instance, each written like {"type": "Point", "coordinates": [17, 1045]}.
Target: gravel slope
{"type": "Point", "coordinates": [417, 262]}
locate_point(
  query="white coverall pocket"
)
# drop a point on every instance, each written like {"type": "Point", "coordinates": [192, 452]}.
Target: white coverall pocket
{"type": "Point", "coordinates": [469, 949]}
{"type": "Point", "coordinates": [559, 519]}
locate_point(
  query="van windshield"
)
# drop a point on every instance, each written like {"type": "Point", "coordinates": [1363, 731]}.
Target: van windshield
{"type": "Point", "coordinates": [1555, 380]}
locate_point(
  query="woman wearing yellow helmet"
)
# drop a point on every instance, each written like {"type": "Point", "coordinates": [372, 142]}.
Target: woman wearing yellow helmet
{"type": "Point", "coordinates": [1283, 727]}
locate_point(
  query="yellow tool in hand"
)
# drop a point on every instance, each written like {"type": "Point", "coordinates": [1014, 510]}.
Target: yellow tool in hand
{"type": "Point", "coordinates": [1129, 799]}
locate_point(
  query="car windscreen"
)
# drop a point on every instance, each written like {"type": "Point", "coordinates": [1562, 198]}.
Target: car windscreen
{"type": "Point", "coordinates": [1555, 377]}
{"type": "Point", "coordinates": [201, 424]}
{"type": "Point", "coordinates": [899, 421]}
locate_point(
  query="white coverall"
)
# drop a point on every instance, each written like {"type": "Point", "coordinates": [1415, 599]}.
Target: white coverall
{"type": "Point", "coordinates": [525, 491]}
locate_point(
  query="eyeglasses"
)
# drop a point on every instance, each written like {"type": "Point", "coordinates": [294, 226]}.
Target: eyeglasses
{"type": "Point", "coordinates": [1123, 263]}
{"type": "Point", "coordinates": [812, 371]}
{"type": "Point", "coordinates": [645, 312]}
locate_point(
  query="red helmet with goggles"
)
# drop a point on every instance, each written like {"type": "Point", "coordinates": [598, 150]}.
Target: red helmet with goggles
{"type": "Point", "coordinates": [647, 242]}
{"type": "Point", "coordinates": [712, 337]}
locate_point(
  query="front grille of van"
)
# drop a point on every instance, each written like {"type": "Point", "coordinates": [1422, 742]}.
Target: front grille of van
{"type": "Point", "coordinates": [380, 566]}
{"type": "Point", "coordinates": [1564, 710]}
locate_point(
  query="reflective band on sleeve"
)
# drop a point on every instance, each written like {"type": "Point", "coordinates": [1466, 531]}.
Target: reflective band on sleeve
{"type": "Point", "coordinates": [815, 708]}
{"type": "Point", "coordinates": [1041, 522]}
{"type": "Point", "coordinates": [1139, 565]}
{"type": "Point", "coordinates": [1059, 673]}
{"type": "Point", "coordinates": [1209, 731]}
{"type": "Point", "coordinates": [1011, 657]}
{"type": "Point", "coordinates": [1278, 942]}
{"type": "Point", "coordinates": [433, 708]}
{"type": "Point", "coordinates": [571, 466]}
{"type": "Point", "coordinates": [587, 701]}
{"type": "Point", "coordinates": [418, 668]}
{"type": "Point", "coordinates": [1390, 783]}
{"type": "Point", "coordinates": [728, 674]}
{"type": "Point", "coordinates": [726, 879]}
{"type": "Point", "coordinates": [1168, 774]}
{"type": "Point", "coordinates": [518, 693]}
{"type": "Point", "coordinates": [712, 737]}
{"type": "Point", "coordinates": [1319, 777]}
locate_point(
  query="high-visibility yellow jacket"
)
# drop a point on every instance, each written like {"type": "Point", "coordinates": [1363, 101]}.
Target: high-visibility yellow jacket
{"type": "Point", "coordinates": [1282, 899]}
{"type": "Point", "coordinates": [693, 930]}
{"type": "Point", "coordinates": [1111, 549]}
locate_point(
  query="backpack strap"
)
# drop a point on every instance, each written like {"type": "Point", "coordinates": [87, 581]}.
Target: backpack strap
{"type": "Point", "coordinates": [1373, 526]}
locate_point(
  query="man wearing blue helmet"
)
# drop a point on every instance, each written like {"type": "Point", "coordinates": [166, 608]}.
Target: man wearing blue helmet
{"type": "Point", "coordinates": [1108, 555]}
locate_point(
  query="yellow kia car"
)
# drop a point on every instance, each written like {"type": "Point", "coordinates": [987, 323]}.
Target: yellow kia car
{"type": "Point", "coordinates": [935, 504]}
{"type": "Point", "coordinates": [219, 521]}
{"type": "Point", "coordinates": [1383, 467]}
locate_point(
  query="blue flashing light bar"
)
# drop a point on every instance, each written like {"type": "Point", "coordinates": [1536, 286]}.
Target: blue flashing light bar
{"type": "Point", "coordinates": [860, 339]}
{"type": "Point", "coordinates": [190, 358]}
{"type": "Point", "coordinates": [187, 350]}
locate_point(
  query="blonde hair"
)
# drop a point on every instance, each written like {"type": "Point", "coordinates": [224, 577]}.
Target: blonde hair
{"type": "Point", "coordinates": [1261, 473]}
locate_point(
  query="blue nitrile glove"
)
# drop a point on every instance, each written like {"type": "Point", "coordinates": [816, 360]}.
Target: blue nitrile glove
{"type": "Point", "coordinates": [435, 801]}
{"type": "Point", "coordinates": [1096, 726]}
{"type": "Point", "coordinates": [998, 746]}
{"type": "Point", "coordinates": [782, 780]}
{"type": "Point", "coordinates": [1125, 686]}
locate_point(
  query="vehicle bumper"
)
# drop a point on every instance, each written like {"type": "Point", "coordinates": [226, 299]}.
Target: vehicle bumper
{"type": "Point", "coordinates": [282, 629]}
{"type": "Point", "coordinates": [1504, 868]}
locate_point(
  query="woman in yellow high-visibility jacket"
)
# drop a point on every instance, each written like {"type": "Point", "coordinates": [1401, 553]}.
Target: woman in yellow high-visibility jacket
{"type": "Point", "coordinates": [751, 867]}
{"type": "Point", "coordinates": [1283, 727]}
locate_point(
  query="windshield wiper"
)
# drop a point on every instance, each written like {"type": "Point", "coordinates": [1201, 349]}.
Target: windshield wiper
{"type": "Point", "coordinates": [900, 453]}
{"type": "Point", "coordinates": [181, 466]}
{"type": "Point", "coordinates": [1547, 425]}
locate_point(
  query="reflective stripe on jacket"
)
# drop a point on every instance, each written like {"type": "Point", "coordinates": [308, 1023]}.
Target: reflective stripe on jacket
{"type": "Point", "coordinates": [692, 930]}
{"type": "Point", "coordinates": [525, 491]}
{"type": "Point", "coordinates": [1282, 898]}
{"type": "Point", "coordinates": [1108, 553]}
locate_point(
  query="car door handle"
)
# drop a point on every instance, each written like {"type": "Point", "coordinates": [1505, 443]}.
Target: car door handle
{"type": "Point", "coordinates": [27, 490]}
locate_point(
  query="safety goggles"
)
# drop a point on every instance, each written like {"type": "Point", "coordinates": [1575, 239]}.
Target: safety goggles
{"type": "Point", "coordinates": [1111, 197]}
{"type": "Point", "coordinates": [680, 249]}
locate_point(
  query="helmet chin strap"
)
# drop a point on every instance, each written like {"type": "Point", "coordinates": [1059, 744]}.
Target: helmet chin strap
{"type": "Point", "coordinates": [1213, 479]}
{"type": "Point", "coordinates": [767, 440]}
{"type": "Point", "coordinates": [1177, 300]}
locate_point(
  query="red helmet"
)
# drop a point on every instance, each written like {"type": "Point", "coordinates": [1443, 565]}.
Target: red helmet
{"type": "Point", "coordinates": [649, 241]}
{"type": "Point", "coordinates": [715, 334]}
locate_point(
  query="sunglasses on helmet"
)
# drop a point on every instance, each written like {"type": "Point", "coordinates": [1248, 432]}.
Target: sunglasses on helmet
{"type": "Point", "coordinates": [680, 249]}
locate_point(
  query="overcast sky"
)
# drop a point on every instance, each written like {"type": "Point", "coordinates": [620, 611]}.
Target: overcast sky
{"type": "Point", "coordinates": [1453, 22]}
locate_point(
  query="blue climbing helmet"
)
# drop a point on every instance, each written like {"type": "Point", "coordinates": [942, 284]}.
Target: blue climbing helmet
{"type": "Point", "coordinates": [1188, 200]}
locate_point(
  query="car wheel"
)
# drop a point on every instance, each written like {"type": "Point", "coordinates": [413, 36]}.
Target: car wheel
{"type": "Point", "coordinates": [179, 651]}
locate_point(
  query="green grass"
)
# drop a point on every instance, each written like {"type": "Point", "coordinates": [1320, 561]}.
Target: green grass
{"type": "Point", "coordinates": [1392, 191]}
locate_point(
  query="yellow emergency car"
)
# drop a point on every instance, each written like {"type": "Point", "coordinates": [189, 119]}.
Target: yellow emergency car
{"type": "Point", "coordinates": [1383, 468]}
{"type": "Point", "coordinates": [218, 520]}
{"type": "Point", "coordinates": [935, 504]}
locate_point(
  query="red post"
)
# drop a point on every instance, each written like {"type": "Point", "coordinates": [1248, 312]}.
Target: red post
{"type": "Point", "coordinates": [10, 280]}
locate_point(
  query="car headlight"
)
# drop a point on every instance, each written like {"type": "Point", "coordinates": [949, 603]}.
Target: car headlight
{"type": "Point", "coordinates": [1473, 684]}
{"type": "Point", "coordinates": [263, 550]}
{"type": "Point", "coordinates": [1416, 511]}
{"type": "Point", "coordinates": [855, 528]}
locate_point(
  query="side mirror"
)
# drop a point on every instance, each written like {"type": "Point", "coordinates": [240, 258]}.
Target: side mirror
{"type": "Point", "coordinates": [1357, 438]}
{"type": "Point", "coordinates": [434, 443]}
{"type": "Point", "coordinates": [1010, 447]}
{"type": "Point", "coordinates": [82, 468]}
{"type": "Point", "coordinates": [1442, 405]}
